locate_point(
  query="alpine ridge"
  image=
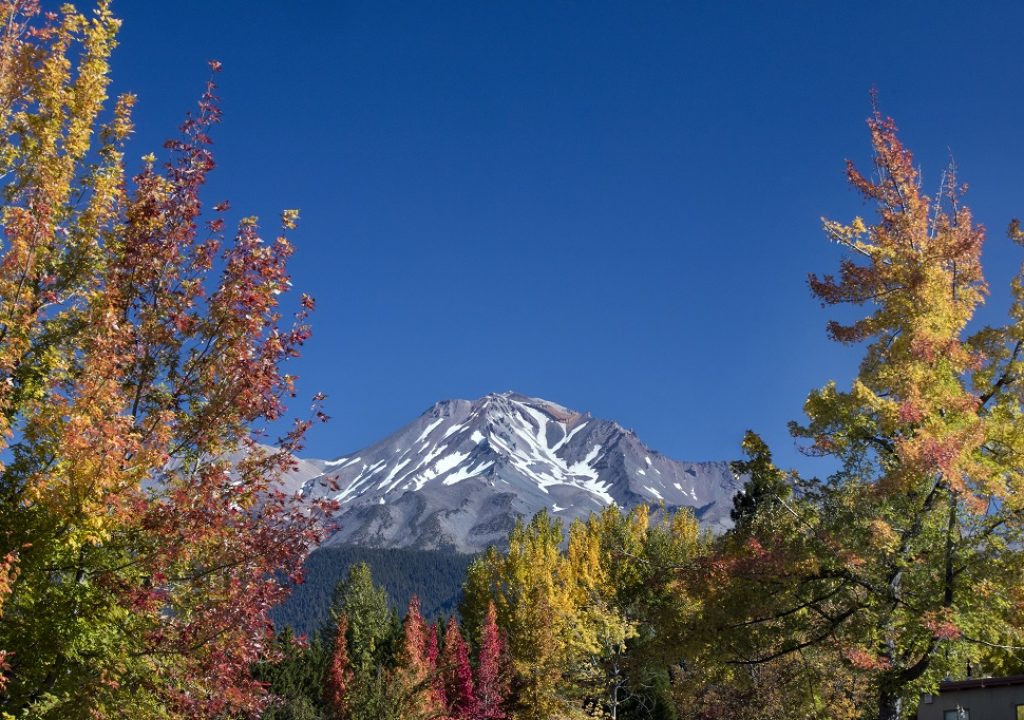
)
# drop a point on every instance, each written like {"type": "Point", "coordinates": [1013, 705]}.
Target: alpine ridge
{"type": "Point", "coordinates": [459, 475]}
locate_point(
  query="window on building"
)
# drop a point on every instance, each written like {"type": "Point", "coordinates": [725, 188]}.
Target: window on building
{"type": "Point", "coordinates": [961, 713]}
{"type": "Point", "coordinates": [1020, 712]}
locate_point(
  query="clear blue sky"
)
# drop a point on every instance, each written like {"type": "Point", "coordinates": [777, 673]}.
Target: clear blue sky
{"type": "Point", "coordinates": [610, 205]}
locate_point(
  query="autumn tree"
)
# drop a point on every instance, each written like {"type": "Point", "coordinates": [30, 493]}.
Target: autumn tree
{"type": "Point", "coordinates": [799, 686]}
{"type": "Point", "coordinates": [143, 530]}
{"type": "Point", "coordinates": [433, 657]}
{"type": "Point", "coordinates": [7, 571]}
{"type": "Point", "coordinates": [906, 562]}
{"type": "Point", "coordinates": [457, 674]}
{"type": "Point", "coordinates": [592, 628]}
{"type": "Point", "coordinates": [492, 682]}
{"type": "Point", "coordinates": [417, 665]}
{"type": "Point", "coordinates": [338, 680]}
{"type": "Point", "coordinates": [534, 605]}
{"type": "Point", "coordinates": [632, 572]}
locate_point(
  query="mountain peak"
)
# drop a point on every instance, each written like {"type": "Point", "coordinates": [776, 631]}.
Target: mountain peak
{"type": "Point", "coordinates": [459, 474]}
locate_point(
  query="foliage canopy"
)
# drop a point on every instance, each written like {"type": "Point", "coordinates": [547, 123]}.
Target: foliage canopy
{"type": "Point", "coordinates": [143, 534]}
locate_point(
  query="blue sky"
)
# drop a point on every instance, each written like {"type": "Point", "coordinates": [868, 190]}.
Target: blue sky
{"type": "Point", "coordinates": [610, 205]}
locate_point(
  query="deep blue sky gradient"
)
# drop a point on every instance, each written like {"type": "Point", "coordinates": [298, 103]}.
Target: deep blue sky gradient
{"type": "Point", "coordinates": [609, 205]}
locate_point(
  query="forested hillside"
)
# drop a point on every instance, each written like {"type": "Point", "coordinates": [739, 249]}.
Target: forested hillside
{"type": "Point", "coordinates": [436, 576]}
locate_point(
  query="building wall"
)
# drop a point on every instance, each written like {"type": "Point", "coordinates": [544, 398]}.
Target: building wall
{"type": "Point", "coordinates": [985, 703]}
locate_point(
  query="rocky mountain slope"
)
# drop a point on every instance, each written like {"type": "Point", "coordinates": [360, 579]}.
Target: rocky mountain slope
{"type": "Point", "coordinates": [459, 475]}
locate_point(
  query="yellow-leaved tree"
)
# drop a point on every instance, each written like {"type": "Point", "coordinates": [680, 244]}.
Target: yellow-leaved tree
{"type": "Point", "coordinates": [593, 627]}
{"type": "Point", "coordinates": [907, 563]}
{"type": "Point", "coordinates": [143, 537]}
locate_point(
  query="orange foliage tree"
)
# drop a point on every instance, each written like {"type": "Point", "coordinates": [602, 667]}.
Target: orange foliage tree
{"type": "Point", "coordinates": [906, 563]}
{"type": "Point", "coordinates": [144, 531]}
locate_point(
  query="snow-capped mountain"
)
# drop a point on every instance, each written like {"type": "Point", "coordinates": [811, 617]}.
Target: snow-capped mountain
{"type": "Point", "coordinates": [459, 475]}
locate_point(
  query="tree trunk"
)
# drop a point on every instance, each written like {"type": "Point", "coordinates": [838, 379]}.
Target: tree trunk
{"type": "Point", "coordinates": [889, 706]}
